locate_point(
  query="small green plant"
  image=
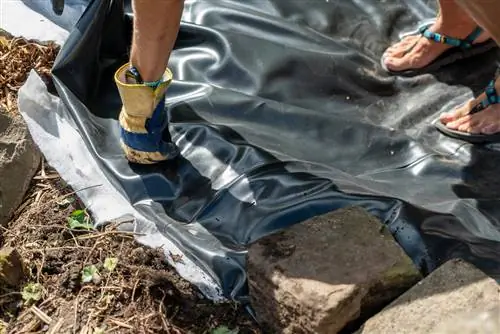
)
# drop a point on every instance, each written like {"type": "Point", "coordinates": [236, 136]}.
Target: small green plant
{"type": "Point", "coordinates": [100, 330]}
{"type": "Point", "coordinates": [32, 292]}
{"type": "Point", "coordinates": [224, 330]}
{"type": "Point", "coordinates": [110, 263]}
{"type": "Point", "coordinates": [79, 220]}
{"type": "Point", "coordinates": [90, 274]}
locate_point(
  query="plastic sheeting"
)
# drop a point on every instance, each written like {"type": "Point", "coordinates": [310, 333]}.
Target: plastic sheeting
{"type": "Point", "coordinates": [34, 19]}
{"type": "Point", "coordinates": [282, 112]}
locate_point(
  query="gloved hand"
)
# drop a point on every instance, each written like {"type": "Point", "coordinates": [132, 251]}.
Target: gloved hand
{"type": "Point", "coordinates": [143, 118]}
{"type": "Point", "coordinates": [58, 6]}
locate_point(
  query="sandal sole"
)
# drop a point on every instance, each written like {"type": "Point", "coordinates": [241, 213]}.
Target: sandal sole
{"type": "Point", "coordinates": [448, 57]}
{"type": "Point", "coordinates": [468, 137]}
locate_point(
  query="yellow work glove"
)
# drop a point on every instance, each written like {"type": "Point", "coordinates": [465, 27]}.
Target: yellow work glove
{"type": "Point", "coordinates": [143, 117]}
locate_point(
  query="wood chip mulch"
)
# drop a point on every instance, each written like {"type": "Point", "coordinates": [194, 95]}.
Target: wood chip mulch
{"type": "Point", "coordinates": [17, 57]}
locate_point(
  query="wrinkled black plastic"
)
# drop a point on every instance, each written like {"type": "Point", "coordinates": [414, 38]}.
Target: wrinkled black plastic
{"type": "Point", "coordinates": [292, 96]}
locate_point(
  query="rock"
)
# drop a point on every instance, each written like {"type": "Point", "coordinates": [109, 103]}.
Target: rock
{"type": "Point", "coordinates": [484, 321]}
{"type": "Point", "coordinates": [454, 288]}
{"type": "Point", "coordinates": [318, 276]}
{"type": "Point", "coordinates": [11, 267]}
{"type": "Point", "coordinates": [19, 160]}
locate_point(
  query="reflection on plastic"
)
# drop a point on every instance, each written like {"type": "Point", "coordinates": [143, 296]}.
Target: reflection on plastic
{"type": "Point", "coordinates": [282, 112]}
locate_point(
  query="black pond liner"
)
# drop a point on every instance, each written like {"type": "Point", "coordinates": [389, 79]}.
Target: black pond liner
{"type": "Point", "coordinates": [290, 94]}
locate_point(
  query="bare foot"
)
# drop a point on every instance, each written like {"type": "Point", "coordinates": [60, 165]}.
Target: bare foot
{"type": "Point", "coordinates": [487, 121]}
{"type": "Point", "coordinates": [416, 51]}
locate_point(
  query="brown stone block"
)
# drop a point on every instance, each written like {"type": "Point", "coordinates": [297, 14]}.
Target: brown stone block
{"type": "Point", "coordinates": [317, 276]}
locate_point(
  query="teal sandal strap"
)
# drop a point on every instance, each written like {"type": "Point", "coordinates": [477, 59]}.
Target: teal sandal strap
{"type": "Point", "coordinates": [473, 35]}
{"type": "Point", "coordinates": [440, 38]}
{"type": "Point", "coordinates": [492, 97]}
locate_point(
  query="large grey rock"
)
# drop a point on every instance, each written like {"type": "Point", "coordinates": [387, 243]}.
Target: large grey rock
{"type": "Point", "coordinates": [318, 276]}
{"type": "Point", "coordinates": [454, 293]}
{"type": "Point", "coordinates": [19, 160]}
{"type": "Point", "coordinates": [483, 321]}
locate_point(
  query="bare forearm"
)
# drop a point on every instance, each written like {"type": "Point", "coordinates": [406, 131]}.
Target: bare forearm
{"type": "Point", "coordinates": [156, 25]}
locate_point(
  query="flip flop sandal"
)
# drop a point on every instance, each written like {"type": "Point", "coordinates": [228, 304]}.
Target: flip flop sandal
{"type": "Point", "coordinates": [491, 98]}
{"type": "Point", "coordinates": [461, 49]}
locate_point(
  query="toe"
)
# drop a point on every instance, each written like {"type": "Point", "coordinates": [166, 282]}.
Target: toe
{"type": "Point", "coordinates": [446, 118]}
{"type": "Point", "coordinates": [464, 127]}
{"type": "Point", "coordinates": [418, 57]}
{"type": "Point", "coordinates": [399, 52]}
{"type": "Point", "coordinates": [458, 113]}
{"type": "Point", "coordinates": [396, 62]}
{"type": "Point", "coordinates": [462, 122]}
{"type": "Point", "coordinates": [450, 117]}
{"type": "Point", "coordinates": [392, 63]}
{"type": "Point", "coordinates": [470, 126]}
{"type": "Point", "coordinates": [484, 122]}
{"type": "Point", "coordinates": [402, 47]}
{"type": "Point", "coordinates": [408, 61]}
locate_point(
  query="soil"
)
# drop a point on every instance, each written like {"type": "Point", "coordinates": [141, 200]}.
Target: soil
{"type": "Point", "coordinates": [132, 288]}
